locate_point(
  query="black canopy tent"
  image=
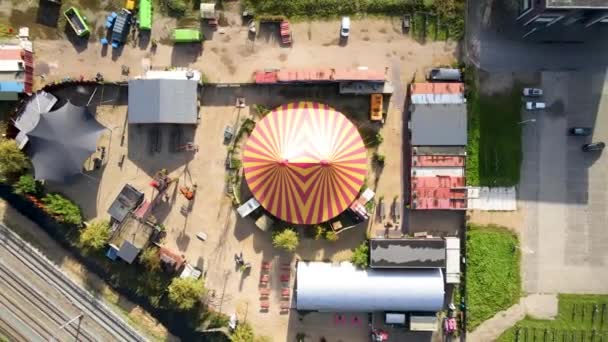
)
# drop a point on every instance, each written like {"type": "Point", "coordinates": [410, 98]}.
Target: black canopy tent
{"type": "Point", "coordinates": [61, 142]}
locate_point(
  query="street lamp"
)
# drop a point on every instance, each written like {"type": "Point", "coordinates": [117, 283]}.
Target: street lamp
{"type": "Point", "coordinates": [526, 121]}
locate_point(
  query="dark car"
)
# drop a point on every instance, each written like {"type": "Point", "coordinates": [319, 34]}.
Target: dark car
{"type": "Point", "coordinates": [580, 131]}
{"type": "Point", "coordinates": [598, 146]}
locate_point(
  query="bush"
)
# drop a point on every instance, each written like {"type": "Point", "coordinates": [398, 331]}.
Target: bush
{"type": "Point", "coordinates": [177, 6]}
{"type": "Point", "coordinates": [150, 259]}
{"type": "Point", "coordinates": [379, 159]}
{"type": "Point", "coordinates": [12, 160]}
{"type": "Point", "coordinates": [319, 232]}
{"type": "Point", "coordinates": [185, 293]}
{"type": "Point", "coordinates": [360, 257]}
{"type": "Point", "coordinates": [62, 209]}
{"type": "Point", "coordinates": [95, 235]}
{"type": "Point", "coordinates": [287, 240]}
{"type": "Point", "coordinates": [331, 236]}
{"type": "Point", "coordinates": [242, 333]}
{"type": "Point", "coordinates": [28, 185]}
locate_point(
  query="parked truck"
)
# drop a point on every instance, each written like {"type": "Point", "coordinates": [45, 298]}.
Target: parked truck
{"type": "Point", "coordinates": [121, 28]}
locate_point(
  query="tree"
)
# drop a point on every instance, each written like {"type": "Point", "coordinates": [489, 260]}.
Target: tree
{"type": "Point", "coordinates": [184, 293]}
{"type": "Point", "coordinates": [28, 185]}
{"type": "Point", "coordinates": [12, 159]}
{"type": "Point", "coordinates": [287, 240]}
{"type": "Point", "coordinates": [360, 255]}
{"type": "Point", "coordinates": [63, 209]}
{"type": "Point", "coordinates": [242, 333]}
{"type": "Point", "coordinates": [150, 259]}
{"type": "Point", "coordinates": [95, 235]}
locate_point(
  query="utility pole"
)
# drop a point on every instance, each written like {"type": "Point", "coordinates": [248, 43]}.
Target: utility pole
{"type": "Point", "coordinates": [64, 325]}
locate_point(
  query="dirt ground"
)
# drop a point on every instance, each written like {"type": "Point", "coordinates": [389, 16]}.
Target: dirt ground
{"type": "Point", "coordinates": [229, 56]}
{"type": "Point", "coordinates": [38, 238]}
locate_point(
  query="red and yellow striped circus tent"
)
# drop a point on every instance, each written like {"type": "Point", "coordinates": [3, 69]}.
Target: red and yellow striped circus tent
{"type": "Point", "coordinates": [305, 162]}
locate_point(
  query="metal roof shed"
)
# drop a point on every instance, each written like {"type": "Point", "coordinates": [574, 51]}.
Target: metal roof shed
{"type": "Point", "coordinates": [163, 101]}
{"type": "Point", "coordinates": [452, 271]}
{"type": "Point", "coordinates": [439, 125]}
{"type": "Point", "coordinates": [407, 253]}
{"type": "Point", "coordinates": [345, 288]}
{"type": "Point", "coordinates": [128, 199]}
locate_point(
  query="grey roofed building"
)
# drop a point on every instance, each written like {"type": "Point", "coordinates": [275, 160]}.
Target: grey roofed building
{"type": "Point", "coordinates": [40, 102]}
{"type": "Point", "coordinates": [128, 199]}
{"type": "Point", "coordinates": [439, 125]}
{"type": "Point", "coordinates": [128, 252]}
{"type": "Point", "coordinates": [407, 253]}
{"type": "Point", "coordinates": [344, 288]}
{"type": "Point", "coordinates": [163, 101]}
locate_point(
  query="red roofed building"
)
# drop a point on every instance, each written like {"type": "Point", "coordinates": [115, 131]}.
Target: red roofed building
{"type": "Point", "coordinates": [437, 93]}
{"type": "Point", "coordinates": [318, 75]}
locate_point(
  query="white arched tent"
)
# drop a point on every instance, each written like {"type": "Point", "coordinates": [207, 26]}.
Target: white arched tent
{"type": "Point", "coordinates": [344, 288]}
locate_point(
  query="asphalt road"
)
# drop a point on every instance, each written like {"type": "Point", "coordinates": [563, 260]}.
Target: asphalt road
{"type": "Point", "coordinates": [36, 299]}
{"type": "Point", "coordinates": [564, 190]}
{"type": "Point", "coordinates": [494, 42]}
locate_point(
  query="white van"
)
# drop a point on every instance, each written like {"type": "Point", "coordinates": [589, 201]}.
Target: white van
{"type": "Point", "coordinates": [345, 27]}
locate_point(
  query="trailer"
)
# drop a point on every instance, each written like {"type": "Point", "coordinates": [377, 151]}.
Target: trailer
{"type": "Point", "coordinates": [77, 22]}
{"type": "Point", "coordinates": [187, 36]}
{"type": "Point", "coordinates": [145, 15]}
{"type": "Point", "coordinates": [208, 13]}
{"type": "Point", "coordinates": [121, 28]}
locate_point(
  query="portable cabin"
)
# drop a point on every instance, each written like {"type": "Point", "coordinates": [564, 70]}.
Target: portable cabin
{"type": "Point", "coordinates": [187, 36]}
{"type": "Point", "coordinates": [77, 22]}
{"type": "Point", "coordinates": [447, 75]}
{"type": "Point", "coordinates": [145, 14]}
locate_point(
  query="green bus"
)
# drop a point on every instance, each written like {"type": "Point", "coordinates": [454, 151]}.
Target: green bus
{"type": "Point", "coordinates": [77, 22]}
{"type": "Point", "coordinates": [145, 15]}
{"type": "Point", "coordinates": [187, 36]}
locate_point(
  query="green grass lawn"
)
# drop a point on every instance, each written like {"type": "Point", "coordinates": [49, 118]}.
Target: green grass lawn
{"type": "Point", "coordinates": [494, 149]}
{"type": "Point", "coordinates": [575, 321]}
{"type": "Point", "coordinates": [492, 276]}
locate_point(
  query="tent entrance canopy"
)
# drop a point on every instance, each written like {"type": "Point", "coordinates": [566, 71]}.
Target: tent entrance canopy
{"type": "Point", "coordinates": [345, 288]}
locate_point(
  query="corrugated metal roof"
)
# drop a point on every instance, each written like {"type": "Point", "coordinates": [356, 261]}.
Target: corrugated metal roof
{"type": "Point", "coordinates": [9, 52]}
{"type": "Point", "coordinates": [319, 75]}
{"type": "Point", "coordinates": [407, 253]}
{"type": "Point", "coordinates": [438, 192]}
{"type": "Point", "coordinates": [163, 101]}
{"type": "Point", "coordinates": [437, 98]}
{"type": "Point", "coordinates": [437, 160]}
{"type": "Point", "coordinates": [437, 88]}
{"type": "Point", "coordinates": [345, 288]}
{"type": "Point", "coordinates": [439, 125]}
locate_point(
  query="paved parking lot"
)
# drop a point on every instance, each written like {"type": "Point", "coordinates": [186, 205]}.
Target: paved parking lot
{"type": "Point", "coordinates": [563, 190]}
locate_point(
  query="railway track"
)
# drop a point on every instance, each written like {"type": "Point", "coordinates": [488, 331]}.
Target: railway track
{"type": "Point", "coordinates": [37, 300]}
{"type": "Point", "coordinates": [82, 299]}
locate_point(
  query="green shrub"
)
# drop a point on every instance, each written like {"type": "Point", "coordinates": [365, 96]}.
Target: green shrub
{"type": "Point", "coordinates": [360, 257]}
{"type": "Point", "coordinates": [185, 293]}
{"type": "Point", "coordinates": [28, 185]}
{"type": "Point", "coordinates": [319, 232]}
{"type": "Point", "coordinates": [287, 240]}
{"type": "Point", "coordinates": [95, 235]}
{"type": "Point", "coordinates": [331, 236]}
{"type": "Point", "coordinates": [150, 259]}
{"type": "Point", "coordinates": [12, 160]}
{"type": "Point", "coordinates": [242, 333]}
{"type": "Point", "coordinates": [177, 6]}
{"type": "Point", "coordinates": [379, 159]}
{"type": "Point", "coordinates": [62, 209]}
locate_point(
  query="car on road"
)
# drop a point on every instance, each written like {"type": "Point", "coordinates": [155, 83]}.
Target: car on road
{"type": "Point", "coordinates": [597, 146]}
{"type": "Point", "coordinates": [533, 92]}
{"type": "Point", "coordinates": [534, 105]}
{"type": "Point", "coordinates": [580, 131]}
{"type": "Point", "coordinates": [345, 27]}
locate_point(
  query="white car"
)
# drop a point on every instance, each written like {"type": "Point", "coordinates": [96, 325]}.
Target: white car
{"type": "Point", "coordinates": [533, 92]}
{"type": "Point", "coordinates": [533, 105]}
{"type": "Point", "coordinates": [345, 27]}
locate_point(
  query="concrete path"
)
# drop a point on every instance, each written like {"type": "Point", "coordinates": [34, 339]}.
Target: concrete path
{"type": "Point", "coordinates": [536, 305]}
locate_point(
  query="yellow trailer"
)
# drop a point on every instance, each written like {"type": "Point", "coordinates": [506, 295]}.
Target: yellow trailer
{"type": "Point", "coordinates": [130, 5]}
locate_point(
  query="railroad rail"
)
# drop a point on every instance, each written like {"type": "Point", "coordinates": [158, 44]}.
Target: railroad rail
{"type": "Point", "coordinates": [81, 298]}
